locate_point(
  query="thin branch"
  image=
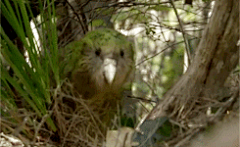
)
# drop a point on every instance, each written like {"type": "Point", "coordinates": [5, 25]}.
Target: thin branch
{"type": "Point", "coordinates": [79, 19]}
{"type": "Point", "coordinates": [160, 52]}
{"type": "Point", "coordinates": [84, 4]}
{"type": "Point", "coordinates": [37, 128]}
{"type": "Point", "coordinates": [142, 99]}
{"type": "Point", "coordinates": [125, 5]}
{"type": "Point", "coordinates": [183, 33]}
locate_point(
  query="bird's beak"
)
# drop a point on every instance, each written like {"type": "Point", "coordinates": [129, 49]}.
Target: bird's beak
{"type": "Point", "coordinates": [109, 69]}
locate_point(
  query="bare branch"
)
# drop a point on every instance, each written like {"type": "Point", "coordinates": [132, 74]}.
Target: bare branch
{"type": "Point", "coordinates": [183, 33]}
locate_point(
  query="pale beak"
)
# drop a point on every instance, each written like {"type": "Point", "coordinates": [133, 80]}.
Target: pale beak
{"type": "Point", "coordinates": [109, 69]}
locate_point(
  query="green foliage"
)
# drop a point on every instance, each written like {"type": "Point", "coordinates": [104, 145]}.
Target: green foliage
{"type": "Point", "coordinates": [130, 16]}
{"type": "Point", "coordinates": [166, 129]}
{"type": "Point", "coordinates": [30, 81]}
{"type": "Point", "coordinates": [98, 22]}
{"type": "Point", "coordinates": [126, 121]}
{"type": "Point", "coordinates": [107, 11]}
{"type": "Point", "coordinates": [173, 68]}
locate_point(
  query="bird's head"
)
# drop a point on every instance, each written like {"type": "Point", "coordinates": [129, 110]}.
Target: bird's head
{"type": "Point", "coordinates": [107, 56]}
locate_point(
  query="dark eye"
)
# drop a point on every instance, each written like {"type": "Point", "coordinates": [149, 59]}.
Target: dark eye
{"type": "Point", "coordinates": [98, 52]}
{"type": "Point", "coordinates": [121, 53]}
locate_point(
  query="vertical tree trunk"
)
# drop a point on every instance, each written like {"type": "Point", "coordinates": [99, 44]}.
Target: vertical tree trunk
{"type": "Point", "coordinates": [216, 56]}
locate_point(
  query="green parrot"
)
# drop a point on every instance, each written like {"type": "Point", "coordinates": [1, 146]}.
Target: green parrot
{"type": "Point", "coordinates": [100, 66]}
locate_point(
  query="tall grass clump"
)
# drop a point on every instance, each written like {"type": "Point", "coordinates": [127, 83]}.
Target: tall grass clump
{"type": "Point", "coordinates": [30, 78]}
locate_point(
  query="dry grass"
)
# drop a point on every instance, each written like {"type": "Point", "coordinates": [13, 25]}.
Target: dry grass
{"type": "Point", "coordinates": [80, 124]}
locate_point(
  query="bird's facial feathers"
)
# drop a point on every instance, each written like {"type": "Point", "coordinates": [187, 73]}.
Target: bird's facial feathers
{"type": "Point", "coordinates": [106, 56]}
{"type": "Point", "coordinates": [109, 67]}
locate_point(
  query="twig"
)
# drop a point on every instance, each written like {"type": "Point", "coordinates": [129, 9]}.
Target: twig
{"type": "Point", "coordinates": [183, 33]}
{"type": "Point", "coordinates": [221, 110]}
{"type": "Point", "coordinates": [126, 4]}
{"type": "Point", "coordinates": [142, 99]}
{"type": "Point", "coordinates": [79, 19]}
{"type": "Point", "coordinates": [184, 140]}
{"type": "Point", "coordinates": [160, 52]}
{"type": "Point", "coordinates": [36, 130]}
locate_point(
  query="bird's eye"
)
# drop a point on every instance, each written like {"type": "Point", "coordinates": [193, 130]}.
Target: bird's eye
{"type": "Point", "coordinates": [98, 52]}
{"type": "Point", "coordinates": [121, 53]}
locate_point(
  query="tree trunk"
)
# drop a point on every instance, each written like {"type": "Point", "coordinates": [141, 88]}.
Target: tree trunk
{"type": "Point", "coordinates": [216, 56]}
